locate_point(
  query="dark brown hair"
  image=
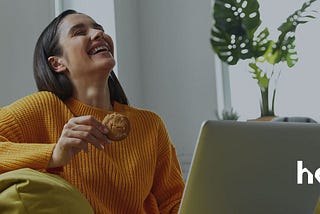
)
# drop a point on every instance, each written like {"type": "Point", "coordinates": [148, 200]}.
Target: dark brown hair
{"type": "Point", "coordinates": [58, 83]}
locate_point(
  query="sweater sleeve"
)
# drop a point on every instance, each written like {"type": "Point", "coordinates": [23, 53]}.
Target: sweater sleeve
{"type": "Point", "coordinates": [168, 183]}
{"type": "Point", "coordinates": [14, 152]}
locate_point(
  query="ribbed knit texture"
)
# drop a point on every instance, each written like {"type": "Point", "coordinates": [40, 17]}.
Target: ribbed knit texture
{"type": "Point", "coordinates": [140, 174]}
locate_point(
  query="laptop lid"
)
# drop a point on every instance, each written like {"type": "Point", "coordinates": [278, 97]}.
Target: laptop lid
{"type": "Point", "coordinates": [251, 168]}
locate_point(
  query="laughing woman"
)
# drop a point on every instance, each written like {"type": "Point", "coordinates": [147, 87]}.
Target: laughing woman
{"type": "Point", "coordinates": [59, 129]}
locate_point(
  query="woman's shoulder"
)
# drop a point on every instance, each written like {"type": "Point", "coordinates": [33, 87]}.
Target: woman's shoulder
{"type": "Point", "coordinates": [30, 111]}
{"type": "Point", "coordinates": [35, 101]}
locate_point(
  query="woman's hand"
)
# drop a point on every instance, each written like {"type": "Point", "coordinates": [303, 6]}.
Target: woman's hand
{"type": "Point", "coordinates": [77, 133]}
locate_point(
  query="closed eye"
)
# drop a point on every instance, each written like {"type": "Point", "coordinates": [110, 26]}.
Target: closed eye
{"type": "Point", "coordinates": [79, 33]}
{"type": "Point", "coordinates": [78, 30]}
{"type": "Point", "coordinates": [81, 29]}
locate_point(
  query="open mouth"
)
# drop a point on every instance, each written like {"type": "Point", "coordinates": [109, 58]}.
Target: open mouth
{"type": "Point", "coordinates": [99, 49]}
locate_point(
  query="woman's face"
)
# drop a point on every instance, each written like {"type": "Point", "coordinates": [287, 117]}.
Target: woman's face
{"type": "Point", "coordinates": [87, 50]}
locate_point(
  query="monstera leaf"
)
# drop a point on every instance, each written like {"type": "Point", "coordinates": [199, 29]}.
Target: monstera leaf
{"type": "Point", "coordinates": [261, 43]}
{"type": "Point", "coordinates": [232, 36]}
{"type": "Point", "coordinates": [263, 80]}
{"type": "Point", "coordinates": [285, 46]}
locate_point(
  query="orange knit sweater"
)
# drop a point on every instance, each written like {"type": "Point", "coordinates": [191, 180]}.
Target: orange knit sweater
{"type": "Point", "coordinates": [140, 174]}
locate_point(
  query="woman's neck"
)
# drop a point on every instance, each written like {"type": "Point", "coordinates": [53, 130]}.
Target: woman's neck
{"type": "Point", "coordinates": [96, 96]}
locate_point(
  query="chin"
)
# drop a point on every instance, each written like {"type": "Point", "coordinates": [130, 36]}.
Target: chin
{"type": "Point", "coordinates": [110, 65]}
{"type": "Point", "coordinates": [106, 65]}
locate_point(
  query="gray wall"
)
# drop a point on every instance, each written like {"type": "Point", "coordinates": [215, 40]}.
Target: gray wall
{"type": "Point", "coordinates": [21, 23]}
{"type": "Point", "coordinates": [165, 61]}
{"type": "Point", "coordinates": [128, 43]}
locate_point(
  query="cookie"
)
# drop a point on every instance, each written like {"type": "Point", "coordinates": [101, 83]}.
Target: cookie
{"type": "Point", "coordinates": [118, 125]}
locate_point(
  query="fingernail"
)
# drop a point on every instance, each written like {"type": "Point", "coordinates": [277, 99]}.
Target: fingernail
{"type": "Point", "coordinates": [102, 147]}
{"type": "Point", "coordinates": [105, 130]}
{"type": "Point", "coordinates": [108, 141]}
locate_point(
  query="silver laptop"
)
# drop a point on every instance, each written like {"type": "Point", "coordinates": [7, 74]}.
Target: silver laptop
{"type": "Point", "coordinates": [252, 168]}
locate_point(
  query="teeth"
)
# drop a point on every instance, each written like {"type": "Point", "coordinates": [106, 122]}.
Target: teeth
{"type": "Point", "coordinates": [95, 50]}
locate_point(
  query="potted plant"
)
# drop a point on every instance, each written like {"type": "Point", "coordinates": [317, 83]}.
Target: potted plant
{"type": "Point", "coordinates": [228, 115]}
{"type": "Point", "coordinates": [234, 37]}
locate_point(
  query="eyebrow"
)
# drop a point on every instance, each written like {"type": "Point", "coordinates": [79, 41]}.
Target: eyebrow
{"type": "Point", "coordinates": [83, 26]}
{"type": "Point", "coordinates": [97, 26]}
{"type": "Point", "coordinates": [76, 27]}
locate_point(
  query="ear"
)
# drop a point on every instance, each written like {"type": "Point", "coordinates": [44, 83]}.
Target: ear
{"type": "Point", "coordinates": [57, 64]}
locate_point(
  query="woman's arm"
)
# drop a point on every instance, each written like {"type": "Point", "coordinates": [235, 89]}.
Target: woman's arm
{"type": "Point", "coordinates": [19, 150]}
{"type": "Point", "coordinates": [14, 152]}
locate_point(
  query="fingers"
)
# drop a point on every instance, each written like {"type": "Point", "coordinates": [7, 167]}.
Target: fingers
{"type": "Point", "coordinates": [70, 143]}
{"type": "Point", "coordinates": [85, 137]}
{"type": "Point", "coordinates": [77, 133]}
{"type": "Point", "coordinates": [89, 132]}
{"type": "Point", "coordinates": [90, 121]}
{"type": "Point", "coordinates": [83, 130]}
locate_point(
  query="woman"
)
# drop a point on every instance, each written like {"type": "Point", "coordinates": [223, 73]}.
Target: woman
{"type": "Point", "coordinates": [58, 129]}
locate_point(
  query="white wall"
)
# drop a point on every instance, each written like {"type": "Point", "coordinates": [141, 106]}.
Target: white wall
{"type": "Point", "coordinates": [175, 73]}
{"type": "Point", "coordinates": [21, 22]}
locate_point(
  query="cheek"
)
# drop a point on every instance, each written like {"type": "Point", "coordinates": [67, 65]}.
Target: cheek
{"type": "Point", "coordinates": [76, 46]}
{"type": "Point", "coordinates": [109, 41]}
{"type": "Point", "coordinates": [76, 60]}
{"type": "Point", "coordinates": [77, 54]}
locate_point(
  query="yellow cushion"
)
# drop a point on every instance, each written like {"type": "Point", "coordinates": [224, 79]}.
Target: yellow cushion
{"type": "Point", "coordinates": [317, 209]}
{"type": "Point", "coordinates": [30, 191]}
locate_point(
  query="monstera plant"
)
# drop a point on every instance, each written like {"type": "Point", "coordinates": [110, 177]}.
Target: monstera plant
{"type": "Point", "coordinates": [234, 37]}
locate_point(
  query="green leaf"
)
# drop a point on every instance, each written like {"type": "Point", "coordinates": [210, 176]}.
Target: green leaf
{"type": "Point", "coordinates": [263, 80]}
{"type": "Point", "coordinates": [271, 56]}
{"type": "Point", "coordinates": [287, 37]}
{"type": "Point", "coordinates": [261, 43]}
{"type": "Point", "coordinates": [233, 31]}
{"type": "Point", "coordinates": [291, 54]}
{"type": "Point", "coordinates": [234, 37]}
{"type": "Point", "coordinates": [311, 17]}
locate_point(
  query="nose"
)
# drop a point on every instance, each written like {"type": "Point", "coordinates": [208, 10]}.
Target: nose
{"type": "Point", "coordinates": [96, 34]}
